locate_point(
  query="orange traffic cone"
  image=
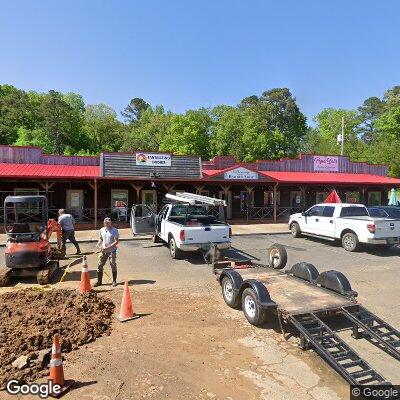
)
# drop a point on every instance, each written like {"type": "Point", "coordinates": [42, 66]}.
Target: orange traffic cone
{"type": "Point", "coordinates": [56, 368]}
{"type": "Point", "coordinates": [85, 285]}
{"type": "Point", "coordinates": [126, 313]}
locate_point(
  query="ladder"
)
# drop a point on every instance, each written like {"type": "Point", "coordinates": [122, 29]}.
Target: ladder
{"type": "Point", "coordinates": [374, 327]}
{"type": "Point", "coordinates": [192, 198]}
{"type": "Point", "coordinates": [337, 353]}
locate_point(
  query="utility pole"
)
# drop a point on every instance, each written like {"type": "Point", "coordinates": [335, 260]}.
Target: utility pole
{"type": "Point", "coordinates": [342, 137]}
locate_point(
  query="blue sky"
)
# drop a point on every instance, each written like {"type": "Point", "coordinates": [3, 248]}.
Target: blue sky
{"type": "Point", "coordinates": [188, 54]}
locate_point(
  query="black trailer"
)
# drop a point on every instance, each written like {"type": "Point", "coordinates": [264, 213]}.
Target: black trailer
{"type": "Point", "coordinates": [304, 300]}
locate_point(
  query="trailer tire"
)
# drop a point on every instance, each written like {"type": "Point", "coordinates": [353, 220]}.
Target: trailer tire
{"type": "Point", "coordinates": [231, 297]}
{"type": "Point", "coordinates": [350, 241]}
{"type": "Point", "coordinates": [277, 256]}
{"type": "Point", "coordinates": [251, 309]}
{"type": "Point", "coordinates": [173, 249]}
{"type": "Point", "coordinates": [295, 229]}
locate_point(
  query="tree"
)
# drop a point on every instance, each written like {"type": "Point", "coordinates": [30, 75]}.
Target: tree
{"type": "Point", "coordinates": [370, 110]}
{"type": "Point", "coordinates": [134, 110]}
{"type": "Point", "coordinates": [189, 133]}
{"type": "Point", "coordinates": [102, 128]}
{"type": "Point", "coordinates": [148, 133]}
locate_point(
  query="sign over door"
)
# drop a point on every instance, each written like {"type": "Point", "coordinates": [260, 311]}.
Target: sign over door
{"type": "Point", "coordinates": [326, 163]}
{"type": "Point", "coordinates": [153, 159]}
{"type": "Point", "coordinates": [240, 174]}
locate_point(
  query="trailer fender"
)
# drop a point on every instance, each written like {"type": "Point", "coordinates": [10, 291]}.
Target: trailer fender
{"type": "Point", "coordinates": [263, 296]}
{"type": "Point", "coordinates": [304, 270]}
{"type": "Point", "coordinates": [235, 277]}
{"type": "Point", "coordinates": [337, 282]}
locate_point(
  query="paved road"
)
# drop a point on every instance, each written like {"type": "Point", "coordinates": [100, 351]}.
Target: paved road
{"type": "Point", "coordinates": [279, 369]}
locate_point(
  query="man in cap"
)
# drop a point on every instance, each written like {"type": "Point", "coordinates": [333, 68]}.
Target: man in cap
{"type": "Point", "coordinates": [67, 223]}
{"type": "Point", "coordinates": [108, 242]}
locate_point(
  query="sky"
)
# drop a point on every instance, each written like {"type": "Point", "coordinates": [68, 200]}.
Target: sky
{"type": "Point", "coordinates": [191, 54]}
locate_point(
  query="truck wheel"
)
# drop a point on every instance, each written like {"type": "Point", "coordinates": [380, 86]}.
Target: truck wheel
{"type": "Point", "coordinates": [295, 229]}
{"type": "Point", "coordinates": [173, 249]}
{"type": "Point", "coordinates": [350, 241]}
{"type": "Point", "coordinates": [277, 256]}
{"type": "Point", "coordinates": [230, 296]}
{"type": "Point", "coordinates": [252, 311]}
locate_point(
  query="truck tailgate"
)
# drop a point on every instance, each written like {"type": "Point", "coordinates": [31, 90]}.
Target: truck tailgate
{"type": "Point", "coordinates": [387, 228]}
{"type": "Point", "coordinates": [206, 233]}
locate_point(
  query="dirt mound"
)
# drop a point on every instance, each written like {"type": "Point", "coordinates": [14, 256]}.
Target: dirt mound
{"type": "Point", "coordinates": [30, 318]}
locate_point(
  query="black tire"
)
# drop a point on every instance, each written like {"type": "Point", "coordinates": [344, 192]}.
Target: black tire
{"type": "Point", "coordinates": [350, 241]}
{"type": "Point", "coordinates": [173, 250]}
{"type": "Point", "coordinates": [155, 239]}
{"type": "Point", "coordinates": [295, 229]}
{"type": "Point", "coordinates": [4, 277]}
{"type": "Point", "coordinates": [251, 309]}
{"type": "Point", "coordinates": [277, 256]}
{"type": "Point", "coordinates": [232, 298]}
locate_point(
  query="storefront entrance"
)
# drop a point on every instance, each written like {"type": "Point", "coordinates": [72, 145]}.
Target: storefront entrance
{"type": "Point", "coordinates": [149, 197]}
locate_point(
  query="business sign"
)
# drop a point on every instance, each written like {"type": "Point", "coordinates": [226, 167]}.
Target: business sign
{"type": "Point", "coordinates": [153, 159]}
{"type": "Point", "coordinates": [326, 163]}
{"type": "Point", "coordinates": [240, 174]}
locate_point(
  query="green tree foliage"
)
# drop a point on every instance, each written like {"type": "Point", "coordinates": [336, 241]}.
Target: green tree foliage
{"type": "Point", "coordinates": [189, 133]}
{"type": "Point", "coordinates": [134, 110]}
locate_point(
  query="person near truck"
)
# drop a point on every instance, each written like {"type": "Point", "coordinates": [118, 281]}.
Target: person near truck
{"type": "Point", "coordinates": [108, 242]}
{"type": "Point", "coordinates": [67, 223]}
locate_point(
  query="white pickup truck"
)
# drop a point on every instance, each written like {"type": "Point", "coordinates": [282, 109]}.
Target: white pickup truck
{"type": "Point", "coordinates": [185, 225]}
{"type": "Point", "coordinates": [349, 223]}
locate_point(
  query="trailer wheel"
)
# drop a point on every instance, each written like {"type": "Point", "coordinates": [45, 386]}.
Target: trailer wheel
{"type": "Point", "coordinates": [295, 229]}
{"type": "Point", "coordinates": [232, 299]}
{"type": "Point", "coordinates": [277, 256]}
{"type": "Point", "coordinates": [173, 249]}
{"type": "Point", "coordinates": [350, 241]}
{"type": "Point", "coordinates": [251, 309]}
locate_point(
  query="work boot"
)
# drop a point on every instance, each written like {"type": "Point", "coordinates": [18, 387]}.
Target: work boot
{"type": "Point", "coordinates": [78, 250]}
{"type": "Point", "coordinates": [99, 279]}
{"type": "Point", "coordinates": [114, 276]}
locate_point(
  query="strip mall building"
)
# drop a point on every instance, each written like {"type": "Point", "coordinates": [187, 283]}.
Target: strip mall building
{"type": "Point", "coordinates": [94, 187]}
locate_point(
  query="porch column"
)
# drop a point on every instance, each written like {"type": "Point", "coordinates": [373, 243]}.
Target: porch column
{"type": "Point", "coordinates": [95, 211]}
{"type": "Point", "coordinates": [199, 188]}
{"type": "Point", "coordinates": [137, 188]}
{"type": "Point", "coordinates": [168, 187]}
{"type": "Point", "coordinates": [249, 190]}
{"type": "Point", "coordinates": [362, 190]}
{"type": "Point", "coordinates": [303, 196]}
{"type": "Point", "coordinates": [225, 188]}
{"type": "Point", "coordinates": [275, 194]}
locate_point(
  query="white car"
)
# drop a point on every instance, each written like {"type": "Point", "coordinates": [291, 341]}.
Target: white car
{"type": "Point", "coordinates": [183, 226]}
{"type": "Point", "coordinates": [349, 223]}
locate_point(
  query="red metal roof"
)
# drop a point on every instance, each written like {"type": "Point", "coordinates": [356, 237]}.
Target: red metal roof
{"type": "Point", "coordinates": [330, 177]}
{"type": "Point", "coordinates": [8, 170]}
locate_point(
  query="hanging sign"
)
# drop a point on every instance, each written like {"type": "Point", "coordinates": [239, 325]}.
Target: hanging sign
{"type": "Point", "coordinates": [240, 174]}
{"type": "Point", "coordinates": [326, 163]}
{"type": "Point", "coordinates": [153, 159]}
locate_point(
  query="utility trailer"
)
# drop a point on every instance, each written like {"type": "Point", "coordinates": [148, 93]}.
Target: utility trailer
{"type": "Point", "coordinates": [304, 300]}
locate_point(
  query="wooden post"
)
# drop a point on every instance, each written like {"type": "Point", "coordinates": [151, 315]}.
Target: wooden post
{"type": "Point", "coordinates": [303, 196]}
{"type": "Point", "coordinates": [275, 194]}
{"type": "Point", "coordinates": [95, 213]}
{"type": "Point", "coordinates": [199, 188]}
{"type": "Point", "coordinates": [137, 189]}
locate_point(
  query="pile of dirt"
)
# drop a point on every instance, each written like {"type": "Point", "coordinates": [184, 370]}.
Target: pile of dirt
{"type": "Point", "coordinates": [29, 319]}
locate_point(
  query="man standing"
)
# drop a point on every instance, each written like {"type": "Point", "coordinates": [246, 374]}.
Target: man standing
{"type": "Point", "coordinates": [68, 230]}
{"type": "Point", "coordinates": [108, 241]}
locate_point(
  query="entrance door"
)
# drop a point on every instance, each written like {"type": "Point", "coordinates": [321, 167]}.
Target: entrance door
{"type": "Point", "coordinates": [149, 197]}
{"type": "Point", "coordinates": [142, 219]}
{"type": "Point", "coordinates": [75, 203]}
{"type": "Point", "coordinates": [228, 209]}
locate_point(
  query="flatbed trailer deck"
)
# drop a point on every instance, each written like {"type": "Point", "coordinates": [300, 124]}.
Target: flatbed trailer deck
{"type": "Point", "coordinates": [302, 298]}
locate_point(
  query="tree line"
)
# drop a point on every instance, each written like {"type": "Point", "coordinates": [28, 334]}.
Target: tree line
{"type": "Point", "coordinates": [266, 126]}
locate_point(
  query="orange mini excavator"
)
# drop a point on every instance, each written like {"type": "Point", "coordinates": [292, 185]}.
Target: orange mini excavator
{"type": "Point", "coordinates": [28, 251]}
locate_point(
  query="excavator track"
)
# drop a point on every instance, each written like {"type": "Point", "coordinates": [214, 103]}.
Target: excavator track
{"type": "Point", "coordinates": [43, 276]}
{"type": "Point", "coordinates": [4, 276]}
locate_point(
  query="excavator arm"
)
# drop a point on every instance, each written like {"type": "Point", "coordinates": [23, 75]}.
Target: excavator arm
{"type": "Point", "coordinates": [54, 226]}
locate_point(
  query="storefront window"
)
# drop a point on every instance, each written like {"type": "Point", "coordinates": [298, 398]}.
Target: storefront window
{"type": "Point", "coordinates": [374, 198]}
{"type": "Point", "coordinates": [119, 199]}
{"type": "Point", "coordinates": [269, 198]}
{"type": "Point", "coordinates": [352, 197]}
{"type": "Point", "coordinates": [295, 198]}
{"type": "Point", "coordinates": [246, 200]}
{"type": "Point", "coordinates": [321, 196]}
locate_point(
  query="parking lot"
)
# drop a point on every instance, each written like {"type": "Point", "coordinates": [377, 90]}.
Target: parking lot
{"type": "Point", "coordinates": [189, 345]}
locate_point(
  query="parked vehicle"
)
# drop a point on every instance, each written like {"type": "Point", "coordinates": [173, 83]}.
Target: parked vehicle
{"type": "Point", "coordinates": [384, 212]}
{"type": "Point", "coordinates": [349, 223]}
{"type": "Point", "coordinates": [185, 224]}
